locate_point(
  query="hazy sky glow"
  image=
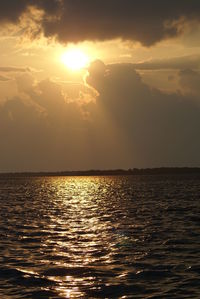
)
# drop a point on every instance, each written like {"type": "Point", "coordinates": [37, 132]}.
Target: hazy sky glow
{"type": "Point", "coordinates": [131, 97]}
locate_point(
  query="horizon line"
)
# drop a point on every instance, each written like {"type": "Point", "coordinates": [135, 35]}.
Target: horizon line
{"type": "Point", "coordinates": [117, 171]}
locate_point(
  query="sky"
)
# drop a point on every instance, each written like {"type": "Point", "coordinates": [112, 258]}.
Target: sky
{"type": "Point", "coordinates": [99, 84]}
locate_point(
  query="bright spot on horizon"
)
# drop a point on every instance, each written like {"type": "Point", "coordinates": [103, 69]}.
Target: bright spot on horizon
{"type": "Point", "coordinates": [75, 59]}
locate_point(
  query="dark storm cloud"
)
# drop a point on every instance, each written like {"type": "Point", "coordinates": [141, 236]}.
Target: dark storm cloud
{"type": "Point", "coordinates": [77, 20]}
{"type": "Point", "coordinates": [145, 21]}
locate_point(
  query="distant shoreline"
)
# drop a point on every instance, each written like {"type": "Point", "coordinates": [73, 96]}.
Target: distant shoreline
{"type": "Point", "coordinates": [114, 172]}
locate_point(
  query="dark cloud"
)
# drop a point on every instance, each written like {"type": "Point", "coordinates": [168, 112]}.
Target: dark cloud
{"type": "Point", "coordinates": [78, 20]}
{"type": "Point", "coordinates": [11, 10]}
{"type": "Point", "coordinates": [145, 21]}
{"type": "Point", "coordinates": [159, 128]}
{"type": "Point", "coordinates": [183, 62]}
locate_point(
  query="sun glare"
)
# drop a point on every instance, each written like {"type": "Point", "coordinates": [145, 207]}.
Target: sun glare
{"type": "Point", "coordinates": [75, 59]}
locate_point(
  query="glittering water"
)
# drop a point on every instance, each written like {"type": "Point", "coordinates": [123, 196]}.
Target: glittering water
{"type": "Point", "coordinates": [100, 237]}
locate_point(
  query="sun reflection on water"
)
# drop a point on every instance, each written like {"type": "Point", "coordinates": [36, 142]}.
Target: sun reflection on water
{"type": "Point", "coordinates": [83, 234]}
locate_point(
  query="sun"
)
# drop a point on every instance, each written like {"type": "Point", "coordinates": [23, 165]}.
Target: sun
{"type": "Point", "coordinates": [75, 59]}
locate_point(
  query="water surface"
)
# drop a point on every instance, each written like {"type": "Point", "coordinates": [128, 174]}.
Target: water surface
{"type": "Point", "coordinates": [100, 237]}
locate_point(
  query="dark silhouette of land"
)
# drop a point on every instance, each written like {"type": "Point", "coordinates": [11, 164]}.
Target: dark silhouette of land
{"type": "Point", "coordinates": [115, 172]}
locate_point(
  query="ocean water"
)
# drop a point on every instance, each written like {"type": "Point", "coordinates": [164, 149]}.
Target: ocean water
{"type": "Point", "coordinates": [100, 237]}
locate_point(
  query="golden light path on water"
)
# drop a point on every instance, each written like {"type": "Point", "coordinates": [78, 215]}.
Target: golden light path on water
{"type": "Point", "coordinates": [99, 237]}
{"type": "Point", "coordinates": [88, 234]}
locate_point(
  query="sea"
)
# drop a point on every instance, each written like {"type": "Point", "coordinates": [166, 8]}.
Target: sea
{"type": "Point", "coordinates": [100, 237]}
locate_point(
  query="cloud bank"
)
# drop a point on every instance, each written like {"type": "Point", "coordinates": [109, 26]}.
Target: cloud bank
{"type": "Point", "coordinates": [76, 20]}
{"type": "Point", "coordinates": [117, 121]}
{"type": "Point", "coordinates": [175, 63]}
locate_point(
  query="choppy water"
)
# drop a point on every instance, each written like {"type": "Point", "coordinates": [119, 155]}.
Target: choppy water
{"type": "Point", "coordinates": [100, 237]}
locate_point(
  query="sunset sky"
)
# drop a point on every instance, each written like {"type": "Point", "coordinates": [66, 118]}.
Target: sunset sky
{"type": "Point", "coordinates": [99, 84]}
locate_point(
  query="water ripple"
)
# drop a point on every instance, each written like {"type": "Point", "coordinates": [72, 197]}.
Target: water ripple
{"type": "Point", "coordinates": [100, 237]}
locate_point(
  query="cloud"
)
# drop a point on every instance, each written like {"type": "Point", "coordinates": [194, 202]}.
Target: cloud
{"type": "Point", "coordinates": [123, 124]}
{"type": "Point", "coordinates": [12, 10]}
{"type": "Point", "coordinates": [189, 81]}
{"type": "Point", "coordinates": [75, 20]}
{"type": "Point", "coordinates": [144, 21]}
{"type": "Point", "coordinates": [2, 78]}
{"type": "Point", "coordinates": [14, 69]}
{"type": "Point", "coordinates": [177, 63]}
{"type": "Point", "coordinates": [159, 128]}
